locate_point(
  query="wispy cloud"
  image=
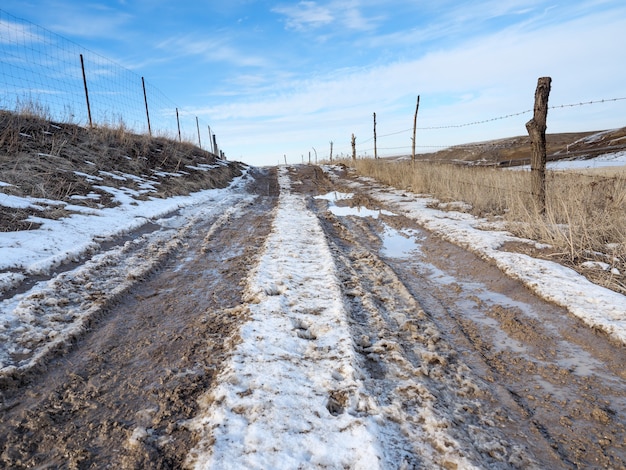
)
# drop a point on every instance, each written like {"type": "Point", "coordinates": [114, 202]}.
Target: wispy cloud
{"type": "Point", "coordinates": [212, 50]}
{"type": "Point", "coordinates": [305, 15]}
{"type": "Point", "coordinates": [491, 75]}
{"type": "Point", "coordinates": [311, 15]}
{"type": "Point", "coordinates": [89, 21]}
{"type": "Point", "coordinates": [13, 33]}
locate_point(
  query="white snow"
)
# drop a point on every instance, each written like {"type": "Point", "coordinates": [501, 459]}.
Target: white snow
{"type": "Point", "coordinates": [617, 159]}
{"type": "Point", "coordinates": [54, 310]}
{"type": "Point", "coordinates": [291, 396]}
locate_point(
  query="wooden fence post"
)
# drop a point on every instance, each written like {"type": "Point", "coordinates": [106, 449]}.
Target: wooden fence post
{"type": "Point", "coordinates": [536, 128]}
{"type": "Point", "coordinates": [353, 147]}
{"type": "Point", "coordinates": [375, 149]}
{"type": "Point", "coordinates": [180, 139]}
{"type": "Point", "coordinates": [331, 151]}
{"type": "Point", "coordinates": [415, 127]}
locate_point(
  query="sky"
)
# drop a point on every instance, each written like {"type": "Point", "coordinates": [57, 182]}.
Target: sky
{"type": "Point", "coordinates": [280, 80]}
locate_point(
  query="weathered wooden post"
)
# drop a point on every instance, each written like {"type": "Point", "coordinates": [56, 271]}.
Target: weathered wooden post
{"type": "Point", "coordinates": [375, 150]}
{"type": "Point", "coordinates": [536, 128]}
{"type": "Point", "coordinates": [415, 127]}
{"type": "Point", "coordinates": [353, 147]}
{"type": "Point", "coordinates": [331, 151]}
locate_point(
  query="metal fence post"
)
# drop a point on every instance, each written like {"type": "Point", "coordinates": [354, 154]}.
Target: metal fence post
{"type": "Point", "coordinates": [82, 66]}
{"type": "Point", "coordinates": [145, 99]}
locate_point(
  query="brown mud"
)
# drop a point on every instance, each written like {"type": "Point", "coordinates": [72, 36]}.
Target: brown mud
{"type": "Point", "coordinates": [560, 384]}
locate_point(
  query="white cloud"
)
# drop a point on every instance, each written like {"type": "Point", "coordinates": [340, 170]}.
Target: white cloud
{"type": "Point", "coordinates": [212, 50]}
{"type": "Point", "coordinates": [305, 15]}
{"type": "Point", "coordinates": [13, 33]}
{"type": "Point", "coordinates": [490, 76]}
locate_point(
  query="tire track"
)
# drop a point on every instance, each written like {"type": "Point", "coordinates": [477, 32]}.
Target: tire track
{"type": "Point", "coordinates": [120, 396]}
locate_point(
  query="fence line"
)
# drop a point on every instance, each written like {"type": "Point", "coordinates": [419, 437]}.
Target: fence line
{"type": "Point", "coordinates": [41, 71]}
{"type": "Point", "coordinates": [473, 123]}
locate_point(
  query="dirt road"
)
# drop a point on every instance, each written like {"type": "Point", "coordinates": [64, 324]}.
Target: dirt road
{"type": "Point", "coordinates": [461, 360]}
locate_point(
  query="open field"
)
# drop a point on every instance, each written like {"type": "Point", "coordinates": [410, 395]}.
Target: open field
{"type": "Point", "coordinates": [585, 219]}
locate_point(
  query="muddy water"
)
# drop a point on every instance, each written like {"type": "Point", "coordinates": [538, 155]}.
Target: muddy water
{"type": "Point", "coordinates": [118, 397]}
{"type": "Point", "coordinates": [561, 385]}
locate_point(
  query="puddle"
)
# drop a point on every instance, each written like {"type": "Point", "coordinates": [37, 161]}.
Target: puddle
{"type": "Point", "coordinates": [400, 244]}
{"type": "Point", "coordinates": [396, 243]}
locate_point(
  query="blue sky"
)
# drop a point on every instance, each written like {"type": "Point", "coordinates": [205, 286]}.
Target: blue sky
{"type": "Point", "coordinates": [277, 78]}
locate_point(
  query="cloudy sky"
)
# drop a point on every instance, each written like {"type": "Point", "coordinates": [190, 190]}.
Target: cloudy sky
{"type": "Point", "coordinates": [285, 78]}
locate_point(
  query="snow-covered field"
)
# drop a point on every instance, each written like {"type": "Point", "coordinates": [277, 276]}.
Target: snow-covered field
{"type": "Point", "coordinates": [610, 160]}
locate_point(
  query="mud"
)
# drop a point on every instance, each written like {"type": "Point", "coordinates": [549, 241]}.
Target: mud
{"type": "Point", "coordinates": [555, 386]}
{"type": "Point", "coordinates": [119, 398]}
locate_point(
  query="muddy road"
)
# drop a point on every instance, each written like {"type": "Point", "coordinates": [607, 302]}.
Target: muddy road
{"type": "Point", "coordinates": [466, 364]}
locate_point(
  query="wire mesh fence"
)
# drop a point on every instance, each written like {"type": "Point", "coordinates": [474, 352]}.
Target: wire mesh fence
{"type": "Point", "coordinates": [45, 73]}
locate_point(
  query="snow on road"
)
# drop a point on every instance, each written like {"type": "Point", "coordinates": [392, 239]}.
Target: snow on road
{"type": "Point", "coordinates": [291, 395]}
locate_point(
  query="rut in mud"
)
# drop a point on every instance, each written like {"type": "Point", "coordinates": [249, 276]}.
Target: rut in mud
{"type": "Point", "coordinates": [551, 385]}
{"type": "Point", "coordinates": [117, 399]}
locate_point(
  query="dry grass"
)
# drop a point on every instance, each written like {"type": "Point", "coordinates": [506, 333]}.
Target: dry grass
{"type": "Point", "coordinates": [585, 215]}
{"type": "Point", "coordinates": [61, 161]}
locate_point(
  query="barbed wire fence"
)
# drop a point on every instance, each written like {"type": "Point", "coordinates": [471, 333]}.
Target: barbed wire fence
{"type": "Point", "coordinates": [468, 124]}
{"type": "Point", "coordinates": [45, 73]}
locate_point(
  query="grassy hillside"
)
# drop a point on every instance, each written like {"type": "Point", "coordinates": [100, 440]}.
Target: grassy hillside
{"type": "Point", "coordinates": [514, 151]}
{"type": "Point", "coordinates": [65, 163]}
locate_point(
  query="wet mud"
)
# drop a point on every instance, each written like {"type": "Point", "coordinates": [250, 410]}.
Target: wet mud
{"type": "Point", "coordinates": [556, 386]}
{"type": "Point", "coordinates": [454, 352]}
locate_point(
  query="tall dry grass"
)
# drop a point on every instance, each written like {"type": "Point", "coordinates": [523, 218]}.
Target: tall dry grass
{"type": "Point", "coordinates": [585, 217]}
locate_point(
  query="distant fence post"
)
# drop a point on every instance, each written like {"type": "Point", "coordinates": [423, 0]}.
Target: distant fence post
{"type": "Point", "coordinates": [198, 127]}
{"type": "Point", "coordinates": [217, 150]}
{"type": "Point", "coordinates": [145, 99]}
{"type": "Point", "coordinates": [178, 123]}
{"type": "Point", "coordinates": [536, 128]}
{"type": "Point", "coordinates": [82, 66]}
{"type": "Point", "coordinates": [375, 149]}
{"type": "Point", "coordinates": [415, 127]}
{"type": "Point", "coordinates": [353, 147]}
